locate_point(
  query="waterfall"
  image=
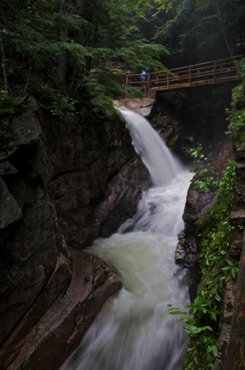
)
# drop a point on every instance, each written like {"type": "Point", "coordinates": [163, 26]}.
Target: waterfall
{"type": "Point", "coordinates": [134, 330]}
{"type": "Point", "coordinates": [161, 164]}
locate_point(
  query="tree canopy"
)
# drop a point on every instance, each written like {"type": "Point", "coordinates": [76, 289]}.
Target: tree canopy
{"type": "Point", "coordinates": [60, 50]}
{"type": "Point", "coordinates": [198, 30]}
{"type": "Point", "coordinates": [51, 48]}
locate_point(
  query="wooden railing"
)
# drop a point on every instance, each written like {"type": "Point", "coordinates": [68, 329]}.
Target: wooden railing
{"type": "Point", "coordinates": [214, 72]}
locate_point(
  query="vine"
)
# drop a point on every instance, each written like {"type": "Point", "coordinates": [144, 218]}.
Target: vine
{"type": "Point", "coordinates": [203, 316]}
{"type": "Point", "coordinates": [216, 270]}
{"type": "Point", "coordinates": [214, 231]}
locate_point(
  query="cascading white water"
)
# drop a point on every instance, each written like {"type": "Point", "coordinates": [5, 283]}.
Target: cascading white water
{"type": "Point", "coordinates": [157, 158]}
{"type": "Point", "coordinates": [134, 330]}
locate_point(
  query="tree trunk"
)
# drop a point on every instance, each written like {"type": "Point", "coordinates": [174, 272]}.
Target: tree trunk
{"type": "Point", "coordinates": [63, 58]}
{"type": "Point", "coordinates": [3, 62]}
{"type": "Point", "coordinates": [223, 28]}
{"type": "Point", "coordinates": [63, 61]}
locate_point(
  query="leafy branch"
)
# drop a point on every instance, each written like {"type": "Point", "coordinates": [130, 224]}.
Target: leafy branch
{"type": "Point", "coordinates": [203, 315]}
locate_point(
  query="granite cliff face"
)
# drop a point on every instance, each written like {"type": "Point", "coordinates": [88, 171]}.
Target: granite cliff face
{"type": "Point", "coordinates": [63, 183]}
{"type": "Point", "coordinates": [231, 335]}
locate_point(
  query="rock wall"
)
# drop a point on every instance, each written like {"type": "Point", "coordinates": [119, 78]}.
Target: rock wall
{"type": "Point", "coordinates": [231, 335]}
{"type": "Point", "coordinates": [63, 183]}
{"type": "Point", "coordinates": [95, 174]}
{"type": "Point", "coordinates": [190, 117]}
{"type": "Point", "coordinates": [232, 338]}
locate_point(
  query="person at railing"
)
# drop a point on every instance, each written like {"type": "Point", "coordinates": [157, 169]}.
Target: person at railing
{"type": "Point", "coordinates": [143, 75]}
{"type": "Point", "coordinates": [148, 69]}
{"type": "Point", "coordinates": [150, 75]}
{"type": "Point", "coordinates": [128, 77]}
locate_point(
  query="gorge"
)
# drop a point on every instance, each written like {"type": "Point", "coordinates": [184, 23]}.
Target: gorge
{"type": "Point", "coordinates": [71, 182]}
{"type": "Point", "coordinates": [135, 330]}
{"type": "Point", "coordinates": [55, 179]}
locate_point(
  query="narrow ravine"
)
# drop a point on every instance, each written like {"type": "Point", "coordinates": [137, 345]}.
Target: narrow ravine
{"type": "Point", "coordinates": [134, 330]}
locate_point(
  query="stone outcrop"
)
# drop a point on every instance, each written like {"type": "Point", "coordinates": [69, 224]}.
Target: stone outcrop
{"type": "Point", "coordinates": [59, 330]}
{"type": "Point", "coordinates": [231, 340]}
{"type": "Point", "coordinates": [63, 183]}
{"type": "Point", "coordinates": [94, 172]}
{"type": "Point", "coordinates": [197, 202]}
{"type": "Point", "coordinates": [234, 358]}
{"type": "Point", "coordinates": [142, 106]}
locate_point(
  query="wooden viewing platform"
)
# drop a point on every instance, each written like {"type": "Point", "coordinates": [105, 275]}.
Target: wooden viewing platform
{"type": "Point", "coordinates": [208, 73]}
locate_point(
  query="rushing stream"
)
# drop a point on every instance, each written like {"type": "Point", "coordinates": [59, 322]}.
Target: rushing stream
{"type": "Point", "coordinates": [134, 330]}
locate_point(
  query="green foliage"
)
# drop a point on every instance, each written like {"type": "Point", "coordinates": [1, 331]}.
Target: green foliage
{"type": "Point", "coordinates": [98, 96]}
{"type": "Point", "coordinates": [176, 21]}
{"type": "Point", "coordinates": [197, 31]}
{"type": "Point", "coordinates": [61, 104]}
{"type": "Point", "coordinates": [241, 70]}
{"type": "Point", "coordinates": [216, 266]}
{"type": "Point", "coordinates": [206, 178]}
{"type": "Point", "coordinates": [202, 355]}
{"type": "Point", "coordinates": [238, 97]}
{"type": "Point", "coordinates": [140, 6]}
{"type": "Point", "coordinates": [216, 270]}
{"type": "Point", "coordinates": [236, 118]}
{"type": "Point", "coordinates": [54, 45]}
{"type": "Point", "coordinates": [237, 126]}
{"type": "Point", "coordinates": [224, 197]}
{"type": "Point", "coordinates": [10, 105]}
{"type": "Point", "coordinates": [222, 22]}
{"type": "Point", "coordinates": [202, 322]}
{"type": "Point", "coordinates": [139, 53]}
{"type": "Point", "coordinates": [160, 123]}
{"type": "Point", "coordinates": [6, 138]}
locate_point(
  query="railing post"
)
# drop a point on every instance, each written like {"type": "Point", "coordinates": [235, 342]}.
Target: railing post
{"type": "Point", "coordinates": [190, 75]}
{"type": "Point", "coordinates": [214, 72]}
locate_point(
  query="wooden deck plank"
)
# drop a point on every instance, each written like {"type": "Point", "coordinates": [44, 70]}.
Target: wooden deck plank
{"type": "Point", "coordinates": [207, 73]}
{"type": "Point", "coordinates": [195, 83]}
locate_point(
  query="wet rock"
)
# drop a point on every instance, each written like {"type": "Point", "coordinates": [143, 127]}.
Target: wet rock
{"type": "Point", "coordinates": [95, 177]}
{"type": "Point", "coordinates": [28, 235]}
{"type": "Point", "coordinates": [197, 202]}
{"type": "Point", "coordinates": [231, 340]}
{"type": "Point", "coordinates": [238, 217]}
{"type": "Point", "coordinates": [7, 169]}
{"type": "Point", "coordinates": [235, 356]}
{"type": "Point", "coordinates": [62, 182]}
{"type": "Point", "coordinates": [180, 249]}
{"type": "Point", "coordinates": [63, 325]}
{"type": "Point", "coordinates": [26, 128]}
{"type": "Point", "coordinates": [142, 106]}
{"type": "Point", "coordinates": [228, 304]}
{"type": "Point", "coordinates": [10, 211]}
